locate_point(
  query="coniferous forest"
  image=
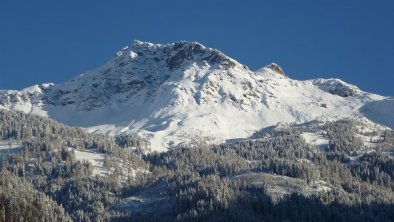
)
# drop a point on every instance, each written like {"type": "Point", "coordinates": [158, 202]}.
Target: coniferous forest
{"type": "Point", "coordinates": [276, 175]}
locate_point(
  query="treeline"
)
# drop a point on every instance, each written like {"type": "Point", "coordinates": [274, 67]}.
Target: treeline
{"type": "Point", "coordinates": [20, 126]}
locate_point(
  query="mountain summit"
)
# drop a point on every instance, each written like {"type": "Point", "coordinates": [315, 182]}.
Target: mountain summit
{"type": "Point", "coordinates": [185, 92]}
{"type": "Point", "coordinates": [276, 68]}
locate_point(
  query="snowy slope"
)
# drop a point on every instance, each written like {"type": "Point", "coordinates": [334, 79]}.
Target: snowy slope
{"type": "Point", "coordinates": [184, 92]}
{"type": "Point", "coordinates": [95, 158]}
{"type": "Point", "coordinates": [380, 111]}
{"type": "Point", "coordinates": [317, 138]}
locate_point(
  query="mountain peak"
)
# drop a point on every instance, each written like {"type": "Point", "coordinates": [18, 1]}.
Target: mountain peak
{"type": "Point", "coordinates": [276, 68]}
{"type": "Point", "coordinates": [178, 53]}
{"type": "Point", "coordinates": [184, 50]}
{"type": "Point", "coordinates": [183, 92]}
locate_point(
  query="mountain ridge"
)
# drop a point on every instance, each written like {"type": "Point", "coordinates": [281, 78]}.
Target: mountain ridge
{"type": "Point", "coordinates": [185, 92]}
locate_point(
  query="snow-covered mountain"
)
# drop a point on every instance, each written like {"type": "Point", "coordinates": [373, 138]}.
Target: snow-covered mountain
{"type": "Point", "coordinates": [184, 92]}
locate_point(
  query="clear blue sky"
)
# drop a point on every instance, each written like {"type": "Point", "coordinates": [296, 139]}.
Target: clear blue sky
{"type": "Point", "coordinates": [53, 40]}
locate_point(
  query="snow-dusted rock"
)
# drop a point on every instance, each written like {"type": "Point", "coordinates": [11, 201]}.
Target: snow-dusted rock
{"type": "Point", "coordinates": [186, 92]}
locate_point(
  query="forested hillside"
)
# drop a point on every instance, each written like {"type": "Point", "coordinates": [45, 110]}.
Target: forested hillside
{"type": "Point", "coordinates": [334, 171]}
